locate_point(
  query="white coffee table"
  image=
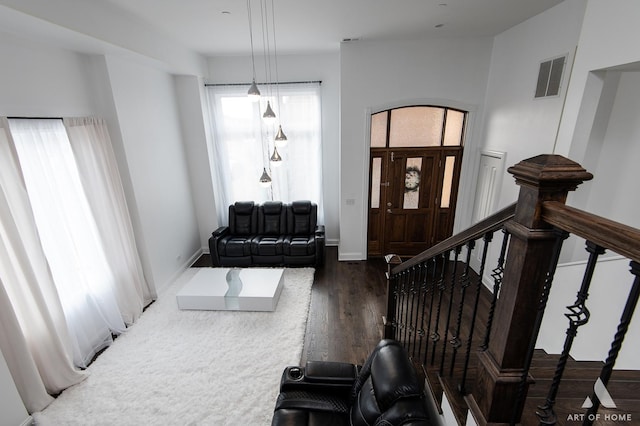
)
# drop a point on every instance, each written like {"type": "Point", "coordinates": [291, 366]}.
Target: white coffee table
{"type": "Point", "coordinates": [232, 289]}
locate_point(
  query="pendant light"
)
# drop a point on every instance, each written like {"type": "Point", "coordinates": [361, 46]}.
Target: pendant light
{"type": "Point", "coordinates": [276, 159]}
{"type": "Point", "coordinates": [281, 138]}
{"type": "Point", "coordinates": [269, 116]}
{"type": "Point", "coordinates": [254, 92]}
{"type": "Point", "coordinates": [265, 179]}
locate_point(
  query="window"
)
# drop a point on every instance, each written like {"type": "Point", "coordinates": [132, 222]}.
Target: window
{"type": "Point", "coordinates": [417, 126]}
{"type": "Point", "coordinates": [69, 267]}
{"type": "Point", "coordinates": [68, 234]}
{"type": "Point", "coordinates": [243, 144]}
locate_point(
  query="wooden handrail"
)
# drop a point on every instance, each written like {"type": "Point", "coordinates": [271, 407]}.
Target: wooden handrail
{"type": "Point", "coordinates": [491, 223]}
{"type": "Point", "coordinates": [606, 233]}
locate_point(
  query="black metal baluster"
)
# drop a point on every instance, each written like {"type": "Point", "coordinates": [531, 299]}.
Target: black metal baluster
{"type": "Point", "coordinates": [488, 237]}
{"type": "Point", "coordinates": [465, 282]}
{"type": "Point", "coordinates": [578, 316]}
{"type": "Point", "coordinates": [424, 292]}
{"type": "Point", "coordinates": [616, 345]}
{"type": "Point", "coordinates": [434, 287]}
{"type": "Point", "coordinates": [398, 322]}
{"type": "Point", "coordinates": [454, 276]}
{"type": "Point", "coordinates": [405, 303]}
{"type": "Point", "coordinates": [497, 275]}
{"type": "Point", "coordinates": [394, 292]}
{"type": "Point", "coordinates": [435, 335]}
{"type": "Point", "coordinates": [411, 293]}
{"type": "Point", "coordinates": [416, 308]}
{"type": "Point", "coordinates": [403, 294]}
{"type": "Point", "coordinates": [416, 325]}
{"type": "Point", "coordinates": [410, 306]}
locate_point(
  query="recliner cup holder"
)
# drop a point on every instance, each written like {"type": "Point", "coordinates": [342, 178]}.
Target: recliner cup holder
{"type": "Point", "coordinates": [295, 373]}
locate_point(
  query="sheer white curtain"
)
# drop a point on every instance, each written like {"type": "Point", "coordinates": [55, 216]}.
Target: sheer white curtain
{"type": "Point", "coordinates": [34, 337]}
{"type": "Point", "coordinates": [69, 235]}
{"type": "Point", "coordinates": [244, 143]}
{"type": "Point", "coordinates": [99, 175]}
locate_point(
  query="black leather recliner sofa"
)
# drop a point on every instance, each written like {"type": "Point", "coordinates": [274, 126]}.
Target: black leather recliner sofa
{"type": "Point", "coordinates": [272, 233]}
{"type": "Point", "coordinates": [385, 391]}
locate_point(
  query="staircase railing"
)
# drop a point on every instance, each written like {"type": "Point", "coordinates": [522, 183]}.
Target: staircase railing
{"type": "Point", "coordinates": [433, 298]}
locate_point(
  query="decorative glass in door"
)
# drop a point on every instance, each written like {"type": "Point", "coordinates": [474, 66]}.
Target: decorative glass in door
{"type": "Point", "coordinates": [416, 154]}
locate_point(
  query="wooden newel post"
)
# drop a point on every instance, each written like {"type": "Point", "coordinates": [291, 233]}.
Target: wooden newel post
{"type": "Point", "coordinates": [501, 366]}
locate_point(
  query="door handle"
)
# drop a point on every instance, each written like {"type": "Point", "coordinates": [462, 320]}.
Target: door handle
{"type": "Point", "coordinates": [389, 211]}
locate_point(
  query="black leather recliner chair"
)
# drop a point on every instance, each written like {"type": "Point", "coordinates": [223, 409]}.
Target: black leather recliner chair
{"type": "Point", "coordinates": [272, 228]}
{"type": "Point", "coordinates": [233, 243]}
{"type": "Point", "coordinates": [385, 391]}
{"type": "Point", "coordinates": [303, 235]}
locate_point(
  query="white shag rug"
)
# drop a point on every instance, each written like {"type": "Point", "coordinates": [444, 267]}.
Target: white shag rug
{"type": "Point", "coordinates": [176, 367]}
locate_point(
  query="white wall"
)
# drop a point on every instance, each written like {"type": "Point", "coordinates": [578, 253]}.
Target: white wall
{"type": "Point", "coordinates": [608, 39]}
{"type": "Point", "coordinates": [192, 110]}
{"type": "Point", "coordinates": [611, 154]}
{"type": "Point", "coordinates": [11, 406]}
{"type": "Point", "coordinates": [606, 53]}
{"type": "Point", "coordinates": [38, 81]}
{"type": "Point", "coordinates": [377, 75]}
{"type": "Point", "coordinates": [619, 155]}
{"type": "Point", "coordinates": [322, 67]}
{"type": "Point", "coordinates": [515, 122]}
{"type": "Point", "coordinates": [146, 104]}
{"type": "Point", "coordinates": [599, 125]}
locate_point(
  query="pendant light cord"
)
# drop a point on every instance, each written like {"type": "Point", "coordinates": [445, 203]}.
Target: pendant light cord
{"type": "Point", "coordinates": [275, 60]}
{"type": "Point", "coordinates": [253, 62]}
{"type": "Point", "coordinates": [265, 43]}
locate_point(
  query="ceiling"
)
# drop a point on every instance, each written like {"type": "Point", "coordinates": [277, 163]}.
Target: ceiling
{"type": "Point", "coordinates": [220, 27]}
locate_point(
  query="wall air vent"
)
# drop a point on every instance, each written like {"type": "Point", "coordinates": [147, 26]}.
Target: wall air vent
{"type": "Point", "coordinates": [550, 77]}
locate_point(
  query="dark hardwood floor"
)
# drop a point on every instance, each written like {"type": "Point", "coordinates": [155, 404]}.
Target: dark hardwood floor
{"type": "Point", "coordinates": [348, 300]}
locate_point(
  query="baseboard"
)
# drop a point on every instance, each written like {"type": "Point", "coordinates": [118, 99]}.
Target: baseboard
{"type": "Point", "coordinates": [193, 259]}
{"type": "Point", "coordinates": [185, 265]}
{"type": "Point", "coordinates": [332, 242]}
{"type": "Point", "coordinates": [350, 256]}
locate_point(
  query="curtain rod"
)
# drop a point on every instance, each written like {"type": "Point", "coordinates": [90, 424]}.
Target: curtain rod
{"type": "Point", "coordinates": [34, 118]}
{"type": "Point", "coordinates": [263, 83]}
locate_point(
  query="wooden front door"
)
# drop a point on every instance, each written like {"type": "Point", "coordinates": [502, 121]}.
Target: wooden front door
{"type": "Point", "coordinates": [412, 196]}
